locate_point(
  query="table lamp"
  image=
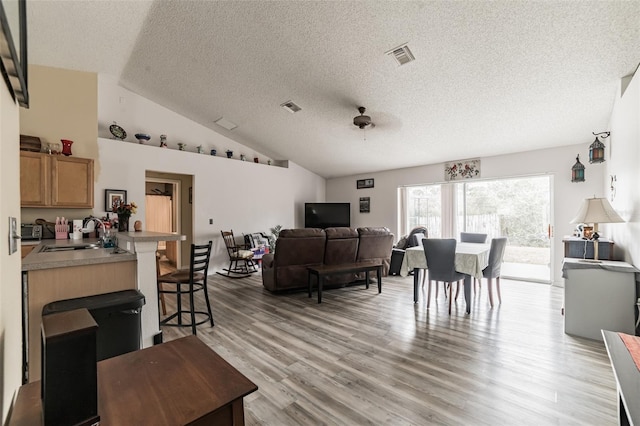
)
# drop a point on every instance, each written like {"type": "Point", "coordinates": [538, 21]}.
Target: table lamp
{"type": "Point", "coordinates": [596, 210]}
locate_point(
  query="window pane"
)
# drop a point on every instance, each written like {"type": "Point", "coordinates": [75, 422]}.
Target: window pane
{"type": "Point", "coordinates": [424, 209]}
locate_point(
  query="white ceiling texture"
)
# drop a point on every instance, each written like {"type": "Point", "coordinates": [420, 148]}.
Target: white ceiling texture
{"type": "Point", "coordinates": [488, 77]}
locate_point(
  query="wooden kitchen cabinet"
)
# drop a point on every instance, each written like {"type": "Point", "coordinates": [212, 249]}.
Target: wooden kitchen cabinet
{"type": "Point", "coordinates": [55, 181]}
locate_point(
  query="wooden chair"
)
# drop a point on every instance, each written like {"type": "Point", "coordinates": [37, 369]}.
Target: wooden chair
{"type": "Point", "coordinates": [441, 256]}
{"type": "Point", "coordinates": [188, 282]}
{"type": "Point", "coordinates": [496, 254]}
{"type": "Point", "coordinates": [240, 257]}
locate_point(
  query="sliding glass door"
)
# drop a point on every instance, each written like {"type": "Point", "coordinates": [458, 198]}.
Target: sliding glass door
{"type": "Point", "coordinates": [516, 208]}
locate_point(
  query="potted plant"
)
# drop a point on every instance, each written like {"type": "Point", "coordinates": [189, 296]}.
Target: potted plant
{"type": "Point", "coordinates": [275, 233]}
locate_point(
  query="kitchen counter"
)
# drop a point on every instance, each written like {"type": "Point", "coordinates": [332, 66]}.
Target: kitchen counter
{"type": "Point", "coordinates": [49, 260]}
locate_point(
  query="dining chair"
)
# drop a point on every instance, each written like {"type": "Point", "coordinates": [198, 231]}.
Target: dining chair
{"type": "Point", "coordinates": [188, 282]}
{"type": "Point", "coordinates": [472, 237]}
{"type": "Point", "coordinates": [441, 255]}
{"type": "Point", "coordinates": [496, 255]}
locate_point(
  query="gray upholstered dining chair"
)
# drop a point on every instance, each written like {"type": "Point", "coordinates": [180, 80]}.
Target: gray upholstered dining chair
{"type": "Point", "coordinates": [472, 237]}
{"type": "Point", "coordinates": [496, 255]}
{"type": "Point", "coordinates": [441, 255]}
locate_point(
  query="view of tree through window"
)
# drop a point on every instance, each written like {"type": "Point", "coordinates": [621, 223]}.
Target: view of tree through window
{"type": "Point", "coordinates": [513, 208]}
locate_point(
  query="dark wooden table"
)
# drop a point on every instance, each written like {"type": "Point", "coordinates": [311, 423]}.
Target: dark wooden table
{"type": "Point", "coordinates": [323, 271]}
{"type": "Point", "coordinates": [627, 377]}
{"type": "Point", "coordinates": [176, 383]}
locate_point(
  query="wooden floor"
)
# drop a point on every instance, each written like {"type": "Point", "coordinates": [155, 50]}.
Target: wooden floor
{"type": "Point", "coordinates": [366, 358]}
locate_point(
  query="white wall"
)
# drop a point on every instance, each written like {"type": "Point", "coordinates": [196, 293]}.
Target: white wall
{"type": "Point", "coordinates": [10, 281]}
{"type": "Point", "coordinates": [623, 158]}
{"type": "Point", "coordinates": [239, 195]}
{"type": "Point", "coordinates": [136, 114]}
{"type": "Point", "coordinates": [557, 162]}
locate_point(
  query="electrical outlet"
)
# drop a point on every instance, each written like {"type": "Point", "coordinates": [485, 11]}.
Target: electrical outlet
{"type": "Point", "coordinates": [210, 221]}
{"type": "Point", "coordinates": [13, 235]}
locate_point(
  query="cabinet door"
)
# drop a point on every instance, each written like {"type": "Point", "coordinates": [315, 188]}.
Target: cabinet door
{"type": "Point", "coordinates": [72, 182]}
{"type": "Point", "coordinates": [34, 179]}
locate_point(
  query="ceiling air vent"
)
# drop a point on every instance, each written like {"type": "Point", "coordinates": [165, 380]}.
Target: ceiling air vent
{"type": "Point", "coordinates": [225, 123]}
{"type": "Point", "coordinates": [402, 54]}
{"type": "Point", "coordinates": [291, 107]}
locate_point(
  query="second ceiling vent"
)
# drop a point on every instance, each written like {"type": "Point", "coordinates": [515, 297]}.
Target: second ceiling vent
{"type": "Point", "coordinates": [402, 54]}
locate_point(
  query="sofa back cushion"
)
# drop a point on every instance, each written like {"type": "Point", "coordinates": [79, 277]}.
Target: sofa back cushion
{"type": "Point", "coordinates": [341, 247]}
{"type": "Point", "coordinates": [375, 244]}
{"type": "Point", "coordinates": [296, 249]}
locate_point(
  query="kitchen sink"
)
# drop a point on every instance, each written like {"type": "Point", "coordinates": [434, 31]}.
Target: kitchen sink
{"type": "Point", "coordinates": [70, 247]}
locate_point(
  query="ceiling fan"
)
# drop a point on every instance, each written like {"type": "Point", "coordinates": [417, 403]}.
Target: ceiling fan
{"type": "Point", "coordinates": [362, 121]}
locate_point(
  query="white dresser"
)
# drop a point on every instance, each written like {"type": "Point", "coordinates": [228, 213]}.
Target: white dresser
{"type": "Point", "coordinates": [598, 296]}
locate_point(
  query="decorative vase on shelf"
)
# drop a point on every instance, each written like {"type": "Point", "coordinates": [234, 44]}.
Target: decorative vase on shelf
{"type": "Point", "coordinates": [181, 146]}
{"type": "Point", "coordinates": [163, 141]}
{"type": "Point", "coordinates": [66, 146]}
{"type": "Point", "coordinates": [123, 222]}
{"type": "Point", "coordinates": [229, 153]}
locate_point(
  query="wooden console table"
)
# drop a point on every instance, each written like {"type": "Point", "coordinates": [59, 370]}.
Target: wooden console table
{"type": "Point", "coordinates": [627, 378]}
{"type": "Point", "coordinates": [178, 383]}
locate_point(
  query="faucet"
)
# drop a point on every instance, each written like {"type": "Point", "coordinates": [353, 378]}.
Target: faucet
{"type": "Point", "coordinates": [96, 221]}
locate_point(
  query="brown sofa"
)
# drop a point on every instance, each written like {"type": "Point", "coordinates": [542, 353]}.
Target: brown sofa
{"type": "Point", "coordinates": [297, 249]}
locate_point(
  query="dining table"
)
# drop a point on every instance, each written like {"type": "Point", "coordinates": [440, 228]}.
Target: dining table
{"type": "Point", "coordinates": [471, 259]}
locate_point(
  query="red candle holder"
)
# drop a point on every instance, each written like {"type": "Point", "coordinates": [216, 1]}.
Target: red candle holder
{"type": "Point", "coordinates": [66, 146]}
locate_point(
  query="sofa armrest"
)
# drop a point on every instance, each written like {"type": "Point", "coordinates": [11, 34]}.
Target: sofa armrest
{"type": "Point", "coordinates": [267, 261]}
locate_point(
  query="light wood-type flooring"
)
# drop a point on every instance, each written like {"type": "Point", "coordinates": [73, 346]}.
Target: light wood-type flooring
{"type": "Point", "coordinates": [366, 358]}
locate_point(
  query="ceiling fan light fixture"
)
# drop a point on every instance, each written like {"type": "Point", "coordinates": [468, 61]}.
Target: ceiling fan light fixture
{"type": "Point", "coordinates": [362, 120]}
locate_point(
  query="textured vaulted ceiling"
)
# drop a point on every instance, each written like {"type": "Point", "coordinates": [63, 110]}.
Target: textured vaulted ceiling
{"type": "Point", "coordinates": [489, 77]}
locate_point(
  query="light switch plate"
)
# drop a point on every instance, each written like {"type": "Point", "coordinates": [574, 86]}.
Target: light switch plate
{"type": "Point", "coordinates": [13, 235]}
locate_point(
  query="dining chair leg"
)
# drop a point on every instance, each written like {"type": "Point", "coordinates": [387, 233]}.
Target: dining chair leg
{"type": "Point", "coordinates": [457, 290]}
{"type": "Point", "coordinates": [490, 291]}
{"type": "Point", "coordinates": [450, 296]}
{"type": "Point", "coordinates": [498, 289]}
{"type": "Point", "coordinates": [428, 293]}
{"type": "Point", "coordinates": [424, 276]}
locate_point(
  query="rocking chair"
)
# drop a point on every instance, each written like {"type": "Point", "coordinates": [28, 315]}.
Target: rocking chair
{"type": "Point", "coordinates": [240, 258]}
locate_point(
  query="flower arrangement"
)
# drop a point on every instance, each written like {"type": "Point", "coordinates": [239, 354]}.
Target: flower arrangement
{"type": "Point", "coordinates": [124, 209]}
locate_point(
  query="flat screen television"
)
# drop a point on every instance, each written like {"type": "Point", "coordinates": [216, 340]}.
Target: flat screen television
{"type": "Point", "coordinates": [327, 215]}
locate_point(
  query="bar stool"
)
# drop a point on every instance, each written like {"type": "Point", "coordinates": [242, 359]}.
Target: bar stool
{"type": "Point", "coordinates": [188, 281]}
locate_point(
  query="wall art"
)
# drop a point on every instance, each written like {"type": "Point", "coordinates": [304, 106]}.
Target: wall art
{"type": "Point", "coordinates": [462, 169]}
{"type": "Point", "coordinates": [364, 183]}
{"type": "Point", "coordinates": [365, 204]}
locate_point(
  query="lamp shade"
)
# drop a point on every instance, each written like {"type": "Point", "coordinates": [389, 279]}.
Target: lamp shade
{"type": "Point", "coordinates": [596, 210]}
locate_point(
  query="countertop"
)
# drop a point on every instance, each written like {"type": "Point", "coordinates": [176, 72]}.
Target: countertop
{"type": "Point", "coordinates": [62, 259]}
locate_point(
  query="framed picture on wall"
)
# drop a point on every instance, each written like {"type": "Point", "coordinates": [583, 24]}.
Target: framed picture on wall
{"type": "Point", "coordinates": [365, 204]}
{"type": "Point", "coordinates": [112, 196]}
{"type": "Point", "coordinates": [364, 183]}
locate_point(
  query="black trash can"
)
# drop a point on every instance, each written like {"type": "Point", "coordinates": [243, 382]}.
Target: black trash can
{"type": "Point", "coordinates": [117, 315]}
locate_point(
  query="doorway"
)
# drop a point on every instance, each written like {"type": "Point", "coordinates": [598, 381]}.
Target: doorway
{"type": "Point", "coordinates": [168, 209]}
